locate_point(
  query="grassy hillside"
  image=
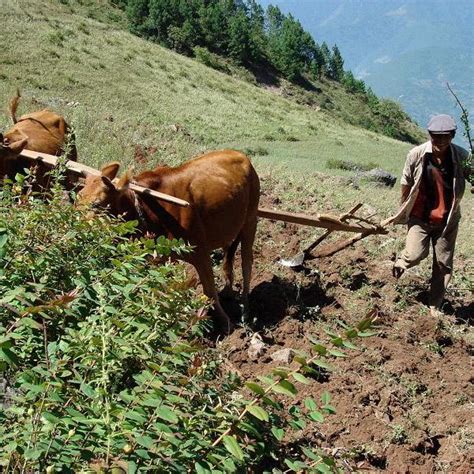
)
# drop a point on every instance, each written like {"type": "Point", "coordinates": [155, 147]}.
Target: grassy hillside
{"type": "Point", "coordinates": [119, 91]}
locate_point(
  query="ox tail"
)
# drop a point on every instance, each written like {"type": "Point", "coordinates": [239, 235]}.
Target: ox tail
{"type": "Point", "coordinates": [14, 106]}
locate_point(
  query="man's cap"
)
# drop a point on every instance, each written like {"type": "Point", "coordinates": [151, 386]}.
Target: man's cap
{"type": "Point", "coordinates": [442, 124]}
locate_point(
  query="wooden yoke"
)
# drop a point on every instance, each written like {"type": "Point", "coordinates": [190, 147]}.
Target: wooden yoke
{"type": "Point", "coordinates": [84, 170]}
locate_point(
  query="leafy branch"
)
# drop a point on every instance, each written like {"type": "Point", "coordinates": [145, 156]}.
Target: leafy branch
{"type": "Point", "coordinates": [464, 118]}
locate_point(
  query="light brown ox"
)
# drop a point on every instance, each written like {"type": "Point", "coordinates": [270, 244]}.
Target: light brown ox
{"type": "Point", "coordinates": [223, 190]}
{"type": "Point", "coordinates": [42, 131]}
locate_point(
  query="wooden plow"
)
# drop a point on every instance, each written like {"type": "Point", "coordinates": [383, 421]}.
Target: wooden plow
{"type": "Point", "coordinates": [361, 226]}
{"type": "Point", "coordinates": [347, 222]}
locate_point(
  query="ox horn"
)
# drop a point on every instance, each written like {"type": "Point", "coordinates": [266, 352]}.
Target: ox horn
{"type": "Point", "coordinates": [108, 183]}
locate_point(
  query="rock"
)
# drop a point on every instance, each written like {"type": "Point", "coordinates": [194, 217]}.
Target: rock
{"type": "Point", "coordinates": [256, 346]}
{"type": "Point", "coordinates": [284, 356]}
{"type": "Point", "coordinates": [379, 177]}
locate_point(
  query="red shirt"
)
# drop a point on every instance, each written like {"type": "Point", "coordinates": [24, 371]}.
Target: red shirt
{"type": "Point", "coordinates": [435, 194]}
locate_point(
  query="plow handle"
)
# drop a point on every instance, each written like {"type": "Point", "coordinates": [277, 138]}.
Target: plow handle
{"type": "Point", "coordinates": [328, 232]}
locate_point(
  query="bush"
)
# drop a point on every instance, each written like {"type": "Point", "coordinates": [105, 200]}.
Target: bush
{"type": "Point", "coordinates": [256, 151]}
{"type": "Point", "coordinates": [337, 164]}
{"type": "Point", "coordinates": [102, 354]}
{"type": "Point", "coordinates": [86, 328]}
{"type": "Point", "coordinates": [204, 56]}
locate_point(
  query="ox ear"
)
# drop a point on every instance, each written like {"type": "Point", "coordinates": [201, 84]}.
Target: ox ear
{"type": "Point", "coordinates": [124, 181]}
{"type": "Point", "coordinates": [18, 146]}
{"type": "Point", "coordinates": [110, 186]}
{"type": "Point", "coordinates": [110, 170]}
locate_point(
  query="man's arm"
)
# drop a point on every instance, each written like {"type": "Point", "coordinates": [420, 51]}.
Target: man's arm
{"type": "Point", "coordinates": [405, 193]}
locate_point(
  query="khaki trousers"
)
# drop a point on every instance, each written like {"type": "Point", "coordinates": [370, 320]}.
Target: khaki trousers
{"type": "Point", "coordinates": [419, 237]}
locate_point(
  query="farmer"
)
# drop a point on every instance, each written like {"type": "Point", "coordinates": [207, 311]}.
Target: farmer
{"type": "Point", "coordinates": [433, 182]}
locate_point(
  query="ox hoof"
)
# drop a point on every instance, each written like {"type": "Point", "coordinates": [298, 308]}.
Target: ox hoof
{"type": "Point", "coordinates": [224, 326]}
{"type": "Point", "coordinates": [227, 293]}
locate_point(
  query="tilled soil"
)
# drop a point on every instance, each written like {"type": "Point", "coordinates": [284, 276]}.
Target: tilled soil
{"type": "Point", "coordinates": [404, 399]}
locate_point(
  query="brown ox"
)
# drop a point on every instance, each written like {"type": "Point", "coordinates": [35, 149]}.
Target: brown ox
{"type": "Point", "coordinates": [223, 190]}
{"type": "Point", "coordinates": [42, 131]}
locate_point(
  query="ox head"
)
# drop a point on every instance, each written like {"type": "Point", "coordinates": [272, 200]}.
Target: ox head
{"type": "Point", "coordinates": [104, 191]}
{"type": "Point", "coordinates": [10, 150]}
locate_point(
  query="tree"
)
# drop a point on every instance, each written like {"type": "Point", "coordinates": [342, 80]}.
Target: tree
{"type": "Point", "coordinates": [288, 46]}
{"type": "Point", "coordinates": [258, 40]}
{"type": "Point", "coordinates": [213, 24]}
{"type": "Point", "coordinates": [325, 58]}
{"type": "Point", "coordinates": [239, 29]}
{"type": "Point", "coordinates": [352, 84]}
{"type": "Point", "coordinates": [336, 65]}
{"type": "Point", "coordinates": [274, 21]}
{"type": "Point", "coordinates": [239, 45]}
{"type": "Point", "coordinates": [137, 12]}
{"type": "Point", "coordinates": [372, 99]}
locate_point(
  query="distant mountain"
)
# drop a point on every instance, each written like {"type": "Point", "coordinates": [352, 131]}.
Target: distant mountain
{"type": "Point", "coordinates": [403, 49]}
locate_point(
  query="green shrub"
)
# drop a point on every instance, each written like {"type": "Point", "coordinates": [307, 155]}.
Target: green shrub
{"type": "Point", "coordinates": [256, 151]}
{"type": "Point", "coordinates": [204, 56]}
{"type": "Point", "coordinates": [337, 164]}
{"type": "Point", "coordinates": [102, 354]}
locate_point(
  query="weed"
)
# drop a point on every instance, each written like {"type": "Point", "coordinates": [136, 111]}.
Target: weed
{"type": "Point", "coordinates": [461, 399]}
{"type": "Point", "coordinates": [361, 451]}
{"type": "Point", "coordinates": [434, 347]}
{"type": "Point", "coordinates": [466, 439]}
{"type": "Point", "coordinates": [56, 38]}
{"type": "Point", "coordinates": [83, 28]}
{"type": "Point", "coordinates": [398, 434]}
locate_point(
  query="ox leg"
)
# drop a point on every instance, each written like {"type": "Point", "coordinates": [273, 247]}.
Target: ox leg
{"type": "Point", "coordinates": [203, 266]}
{"type": "Point", "coordinates": [228, 267]}
{"type": "Point", "coordinates": [247, 241]}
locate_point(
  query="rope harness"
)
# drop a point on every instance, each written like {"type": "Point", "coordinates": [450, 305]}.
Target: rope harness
{"type": "Point", "coordinates": [139, 210]}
